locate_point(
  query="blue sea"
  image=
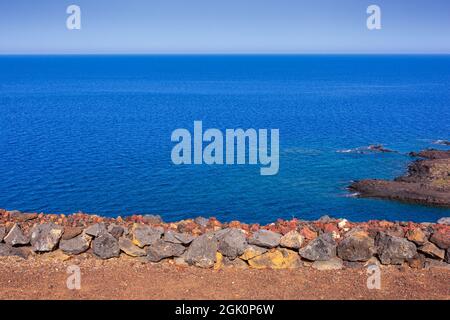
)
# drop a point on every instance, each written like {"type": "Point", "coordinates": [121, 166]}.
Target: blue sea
{"type": "Point", "coordinates": [92, 133]}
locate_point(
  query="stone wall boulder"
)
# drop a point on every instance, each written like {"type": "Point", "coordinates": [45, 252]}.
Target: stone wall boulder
{"type": "Point", "coordinates": [76, 245]}
{"type": "Point", "coordinates": [252, 251]}
{"type": "Point", "coordinates": [441, 238]}
{"type": "Point", "coordinates": [106, 246]}
{"type": "Point", "coordinates": [177, 237]}
{"type": "Point", "coordinates": [7, 250]}
{"type": "Point", "coordinates": [394, 250]}
{"type": "Point", "coordinates": [292, 240]}
{"type": "Point", "coordinates": [127, 246]}
{"type": "Point", "coordinates": [265, 238]}
{"type": "Point", "coordinates": [2, 233]}
{"type": "Point", "coordinates": [233, 243]}
{"type": "Point", "coordinates": [96, 230]}
{"type": "Point", "coordinates": [356, 247]}
{"type": "Point", "coordinates": [45, 237]}
{"type": "Point", "coordinates": [279, 258]}
{"type": "Point", "coordinates": [143, 235]}
{"type": "Point", "coordinates": [202, 251]}
{"type": "Point", "coordinates": [321, 248]}
{"type": "Point", "coordinates": [16, 237]}
{"type": "Point", "coordinates": [161, 249]}
{"type": "Point", "coordinates": [432, 251]}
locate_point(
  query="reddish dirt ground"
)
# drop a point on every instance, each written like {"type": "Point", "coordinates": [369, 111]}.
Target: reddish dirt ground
{"type": "Point", "coordinates": [41, 278]}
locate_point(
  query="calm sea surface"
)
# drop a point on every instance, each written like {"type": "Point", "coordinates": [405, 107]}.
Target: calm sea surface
{"type": "Point", "coordinates": [92, 133]}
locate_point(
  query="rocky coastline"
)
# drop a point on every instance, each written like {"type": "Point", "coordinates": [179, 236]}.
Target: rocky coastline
{"type": "Point", "coordinates": [325, 244]}
{"type": "Point", "coordinates": [427, 181]}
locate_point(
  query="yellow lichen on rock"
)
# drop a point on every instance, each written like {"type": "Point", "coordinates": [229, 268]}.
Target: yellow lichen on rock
{"type": "Point", "coordinates": [276, 259]}
{"type": "Point", "coordinates": [219, 261]}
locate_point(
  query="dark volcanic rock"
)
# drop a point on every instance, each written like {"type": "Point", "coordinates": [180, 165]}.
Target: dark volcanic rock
{"type": "Point", "coordinates": [96, 230]}
{"type": "Point", "coordinates": [161, 250]}
{"type": "Point", "coordinates": [447, 256]}
{"type": "Point", "coordinates": [426, 182]}
{"type": "Point", "coordinates": [202, 251]}
{"type": "Point", "coordinates": [45, 237]}
{"type": "Point", "coordinates": [7, 250]}
{"type": "Point", "coordinates": [265, 238]}
{"type": "Point", "coordinates": [16, 237]}
{"type": "Point", "coordinates": [106, 246]}
{"type": "Point", "coordinates": [144, 235]}
{"type": "Point", "coordinates": [116, 231]}
{"type": "Point", "coordinates": [442, 142]}
{"type": "Point", "coordinates": [321, 248]}
{"type": "Point", "coordinates": [2, 233]}
{"type": "Point", "coordinates": [71, 232]}
{"type": "Point", "coordinates": [431, 154]}
{"type": "Point", "coordinates": [76, 245]}
{"type": "Point", "coordinates": [394, 250]}
{"type": "Point", "coordinates": [357, 247]}
{"type": "Point", "coordinates": [233, 243]}
{"type": "Point", "coordinates": [177, 237]}
{"type": "Point", "coordinates": [152, 218]}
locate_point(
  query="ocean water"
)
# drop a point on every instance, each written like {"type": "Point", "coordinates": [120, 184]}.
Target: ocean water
{"type": "Point", "coordinates": [92, 133]}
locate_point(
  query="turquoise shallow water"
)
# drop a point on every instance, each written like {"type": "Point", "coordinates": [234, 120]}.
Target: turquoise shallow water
{"type": "Point", "coordinates": [92, 133]}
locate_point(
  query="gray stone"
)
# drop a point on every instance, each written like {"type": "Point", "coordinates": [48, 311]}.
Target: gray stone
{"type": "Point", "coordinates": [127, 246]}
{"type": "Point", "coordinates": [76, 245]}
{"type": "Point", "coordinates": [202, 251]}
{"type": "Point", "coordinates": [7, 250]}
{"type": "Point", "coordinates": [152, 218]}
{"type": "Point", "coordinates": [432, 251]}
{"type": "Point", "coordinates": [2, 233]}
{"type": "Point", "coordinates": [106, 246]}
{"type": "Point", "coordinates": [232, 243]}
{"type": "Point", "coordinates": [45, 237]}
{"type": "Point", "coordinates": [177, 237]}
{"type": "Point", "coordinates": [116, 231]}
{"type": "Point", "coordinates": [144, 235]}
{"type": "Point", "coordinates": [265, 238]}
{"type": "Point", "coordinates": [332, 264]}
{"type": "Point", "coordinates": [321, 248]}
{"type": "Point", "coordinates": [325, 218]}
{"type": "Point", "coordinates": [236, 263]}
{"type": "Point", "coordinates": [394, 250]}
{"type": "Point", "coordinates": [16, 237]}
{"type": "Point", "coordinates": [444, 220]}
{"type": "Point", "coordinates": [161, 250]}
{"type": "Point", "coordinates": [201, 221]}
{"type": "Point", "coordinates": [357, 247]}
{"type": "Point", "coordinates": [96, 230]}
{"type": "Point", "coordinates": [292, 240]}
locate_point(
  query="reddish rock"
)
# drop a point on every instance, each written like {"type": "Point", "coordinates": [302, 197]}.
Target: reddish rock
{"type": "Point", "coordinates": [417, 236]}
{"type": "Point", "coordinates": [308, 233]}
{"type": "Point", "coordinates": [71, 232]}
{"type": "Point", "coordinates": [441, 238]}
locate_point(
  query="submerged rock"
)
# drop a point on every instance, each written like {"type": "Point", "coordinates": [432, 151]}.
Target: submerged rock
{"type": "Point", "coordinates": [45, 237]}
{"type": "Point", "coordinates": [106, 246]}
{"type": "Point", "coordinates": [394, 250]}
{"type": "Point", "coordinates": [265, 238]}
{"type": "Point", "coordinates": [233, 243]}
{"type": "Point", "coordinates": [76, 245]}
{"type": "Point", "coordinates": [321, 248]}
{"type": "Point", "coordinates": [292, 240]}
{"type": "Point", "coordinates": [276, 259]}
{"type": "Point", "coordinates": [16, 237]}
{"type": "Point", "coordinates": [160, 250]}
{"type": "Point", "coordinates": [127, 246]}
{"type": "Point", "coordinates": [356, 247]}
{"type": "Point", "coordinates": [144, 235]}
{"type": "Point", "coordinates": [202, 251]}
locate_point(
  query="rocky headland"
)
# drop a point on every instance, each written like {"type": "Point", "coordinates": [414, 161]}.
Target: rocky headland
{"type": "Point", "coordinates": [427, 181]}
{"type": "Point", "coordinates": [325, 244]}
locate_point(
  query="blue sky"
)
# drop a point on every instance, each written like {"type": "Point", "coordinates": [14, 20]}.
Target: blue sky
{"type": "Point", "coordinates": [224, 26]}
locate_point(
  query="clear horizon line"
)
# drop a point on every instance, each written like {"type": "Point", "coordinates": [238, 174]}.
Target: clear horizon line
{"type": "Point", "coordinates": [211, 53]}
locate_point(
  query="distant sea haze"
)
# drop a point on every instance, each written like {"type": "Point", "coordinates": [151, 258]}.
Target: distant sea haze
{"type": "Point", "coordinates": [93, 133]}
